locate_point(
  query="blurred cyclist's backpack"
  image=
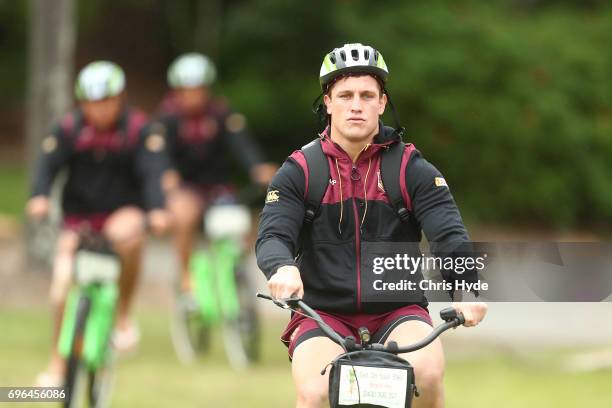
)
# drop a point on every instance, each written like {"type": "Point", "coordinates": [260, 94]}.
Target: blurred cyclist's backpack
{"type": "Point", "coordinates": [75, 126]}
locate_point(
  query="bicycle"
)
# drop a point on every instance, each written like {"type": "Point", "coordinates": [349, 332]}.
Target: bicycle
{"type": "Point", "coordinates": [370, 374]}
{"type": "Point", "coordinates": [88, 323]}
{"type": "Point", "coordinates": [222, 291]}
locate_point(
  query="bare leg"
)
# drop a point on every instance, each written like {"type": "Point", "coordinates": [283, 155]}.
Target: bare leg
{"type": "Point", "coordinates": [309, 358]}
{"type": "Point", "coordinates": [428, 363]}
{"type": "Point", "coordinates": [186, 209]}
{"type": "Point", "coordinates": [125, 229]}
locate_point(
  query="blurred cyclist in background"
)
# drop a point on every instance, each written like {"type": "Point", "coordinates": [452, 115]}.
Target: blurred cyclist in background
{"type": "Point", "coordinates": [201, 132]}
{"type": "Point", "coordinates": [114, 171]}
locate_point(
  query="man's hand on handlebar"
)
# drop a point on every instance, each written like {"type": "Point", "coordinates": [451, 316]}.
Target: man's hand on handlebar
{"type": "Point", "coordinates": [38, 207]}
{"type": "Point", "coordinates": [159, 221]}
{"type": "Point", "coordinates": [473, 312]}
{"type": "Point", "coordinates": [286, 283]}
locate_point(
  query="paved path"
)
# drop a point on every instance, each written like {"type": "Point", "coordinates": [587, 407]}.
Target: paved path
{"type": "Point", "coordinates": [513, 325]}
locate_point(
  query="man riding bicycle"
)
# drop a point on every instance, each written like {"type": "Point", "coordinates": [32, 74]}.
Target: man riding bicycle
{"type": "Point", "coordinates": [320, 259]}
{"type": "Point", "coordinates": [202, 132]}
{"type": "Point", "coordinates": [114, 171]}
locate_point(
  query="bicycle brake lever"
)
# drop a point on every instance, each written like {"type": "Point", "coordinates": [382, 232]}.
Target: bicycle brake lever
{"type": "Point", "coordinates": [282, 303]}
{"type": "Point", "coordinates": [292, 301]}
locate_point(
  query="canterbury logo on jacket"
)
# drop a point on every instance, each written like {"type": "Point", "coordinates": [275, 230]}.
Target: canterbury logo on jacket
{"type": "Point", "coordinates": [355, 210]}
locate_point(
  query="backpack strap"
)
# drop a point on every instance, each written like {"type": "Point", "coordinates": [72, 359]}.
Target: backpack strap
{"type": "Point", "coordinates": [390, 168]}
{"type": "Point", "coordinates": [72, 128]}
{"type": "Point", "coordinates": [123, 126]}
{"type": "Point", "coordinates": [318, 177]}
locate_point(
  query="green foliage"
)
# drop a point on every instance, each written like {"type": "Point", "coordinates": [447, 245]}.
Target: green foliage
{"type": "Point", "coordinates": [12, 44]}
{"type": "Point", "coordinates": [511, 99]}
{"type": "Point", "coordinates": [14, 185]}
{"type": "Point", "coordinates": [269, 64]}
{"type": "Point", "coordinates": [513, 107]}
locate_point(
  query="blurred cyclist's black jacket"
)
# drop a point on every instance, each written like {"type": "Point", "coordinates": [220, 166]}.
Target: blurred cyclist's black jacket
{"type": "Point", "coordinates": [199, 146]}
{"type": "Point", "coordinates": [106, 170]}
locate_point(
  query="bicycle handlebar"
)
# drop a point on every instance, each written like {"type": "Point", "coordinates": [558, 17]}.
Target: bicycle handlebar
{"type": "Point", "coordinates": [449, 315]}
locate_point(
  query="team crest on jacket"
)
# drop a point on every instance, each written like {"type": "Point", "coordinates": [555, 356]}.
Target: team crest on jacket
{"type": "Point", "coordinates": [381, 187]}
{"type": "Point", "coordinates": [272, 196]}
{"type": "Point", "coordinates": [49, 144]}
{"type": "Point", "coordinates": [440, 182]}
{"type": "Point", "coordinates": [155, 143]}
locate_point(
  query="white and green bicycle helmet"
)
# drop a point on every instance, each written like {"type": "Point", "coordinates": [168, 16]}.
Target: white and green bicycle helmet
{"type": "Point", "coordinates": [352, 58]}
{"type": "Point", "coordinates": [99, 80]}
{"type": "Point", "coordinates": [191, 70]}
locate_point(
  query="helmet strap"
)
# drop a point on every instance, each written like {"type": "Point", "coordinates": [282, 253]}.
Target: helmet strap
{"type": "Point", "coordinates": [399, 129]}
{"type": "Point", "coordinates": [318, 108]}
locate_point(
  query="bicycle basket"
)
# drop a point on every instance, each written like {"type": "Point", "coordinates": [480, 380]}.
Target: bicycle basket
{"type": "Point", "coordinates": [92, 266]}
{"type": "Point", "coordinates": [227, 221]}
{"type": "Point", "coordinates": [372, 379]}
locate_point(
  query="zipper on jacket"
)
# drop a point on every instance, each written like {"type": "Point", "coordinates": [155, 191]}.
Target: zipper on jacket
{"type": "Point", "coordinates": [355, 176]}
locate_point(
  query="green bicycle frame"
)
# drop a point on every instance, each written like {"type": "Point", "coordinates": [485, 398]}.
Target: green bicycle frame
{"type": "Point", "coordinates": [215, 283]}
{"type": "Point", "coordinates": [100, 319]}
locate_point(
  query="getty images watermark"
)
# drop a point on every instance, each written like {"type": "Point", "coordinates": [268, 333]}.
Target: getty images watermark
{"type": "Point", "coordinates": [499, 272]}
{"type": "Point", "coordinates": [402, 264]}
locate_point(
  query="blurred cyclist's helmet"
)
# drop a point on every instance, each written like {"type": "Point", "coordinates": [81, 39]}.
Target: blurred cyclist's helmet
{"type": "Point", "coordinates": [99, 80]}
{"type": "Point", "coordinates": [191, 70]}
{"type": "Point", "coordinates": [352, 58]}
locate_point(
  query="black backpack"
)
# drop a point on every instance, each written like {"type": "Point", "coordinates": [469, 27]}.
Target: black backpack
{"type": "Point", "coordinates": [318, 178]}
{"type": "Point", "coordinates": [79, 122]}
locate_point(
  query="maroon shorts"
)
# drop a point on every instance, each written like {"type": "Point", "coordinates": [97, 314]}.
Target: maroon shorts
{"type": "Point", "coordinates": [74, 222]}
{"type": "Point", "coordinates": [301, 328]}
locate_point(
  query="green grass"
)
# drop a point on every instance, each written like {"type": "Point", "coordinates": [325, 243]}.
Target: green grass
{"type": "Point", "coordinates": [14, 187]}
{"type": "Point", "coordinates": [154, 378]}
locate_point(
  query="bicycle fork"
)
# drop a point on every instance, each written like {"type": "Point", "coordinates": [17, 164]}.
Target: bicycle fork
{"type": "Point", "coordinates": [215, 281]}
{"type": "Point", "coordinates": [98, 324]}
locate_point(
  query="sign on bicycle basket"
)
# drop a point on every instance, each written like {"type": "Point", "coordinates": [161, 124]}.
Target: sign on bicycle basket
{"type": "Point", "coordinates": [385, 387]}
{"type": "Point", "coordinates": [93, 267]}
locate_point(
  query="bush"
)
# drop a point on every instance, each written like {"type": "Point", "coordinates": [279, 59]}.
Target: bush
{"type": "Point", "coordinates": [512, 105]}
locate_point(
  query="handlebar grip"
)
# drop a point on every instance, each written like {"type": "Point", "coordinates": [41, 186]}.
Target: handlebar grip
{"type": "Point", "coordinates": [448, 314]}
{"type": "Point", "coordinates": [350, 343]}
{"type": "Point", "coordinates": [264, 296]}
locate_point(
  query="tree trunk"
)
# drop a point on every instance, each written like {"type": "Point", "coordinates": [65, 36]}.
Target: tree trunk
{"type": "Point", "coordinates": [51, 59]}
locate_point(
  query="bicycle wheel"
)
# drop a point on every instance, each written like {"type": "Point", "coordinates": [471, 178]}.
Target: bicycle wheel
{"type": "Point", "coordinates": [40, 239]}
{"type": "Point", "coordinates": [241, 333]}
{"type": "Point", "coordinates": [102, 382]}
{"type": "Point", "coordinates": [189, 332]}
{"type": "Point", "coordinates": [77, 378]}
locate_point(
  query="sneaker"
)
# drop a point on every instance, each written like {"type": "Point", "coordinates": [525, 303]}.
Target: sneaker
{"type": "Point", "coordinates": [126, 340]}
{"type": "Point", "coordinates": [49, 379]}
